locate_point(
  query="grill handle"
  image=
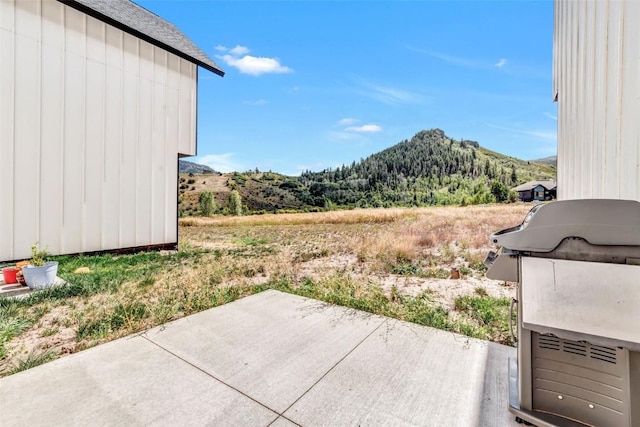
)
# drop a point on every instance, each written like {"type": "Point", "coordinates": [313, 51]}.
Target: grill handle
{"type": "Point", "coordinates": [513, 336]}
{"type": "Point", "coordinates": [492, 256]}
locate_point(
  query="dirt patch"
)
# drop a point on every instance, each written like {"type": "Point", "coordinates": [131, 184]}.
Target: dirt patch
{"type": "Point", "coordinates": [442, 291]}
{"type": "Point", "coordinates": [50, 333]}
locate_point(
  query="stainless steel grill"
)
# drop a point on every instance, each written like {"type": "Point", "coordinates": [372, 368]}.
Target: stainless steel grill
{"type": "Point", "coordinates": [577, 268]}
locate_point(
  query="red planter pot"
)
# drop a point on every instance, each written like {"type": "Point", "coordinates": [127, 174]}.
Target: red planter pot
{"type": "Point", "coordinates": [9, 275]}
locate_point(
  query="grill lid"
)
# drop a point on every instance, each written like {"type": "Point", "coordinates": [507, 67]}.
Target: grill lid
{"type": "Point", "coordinates": [598, 221]}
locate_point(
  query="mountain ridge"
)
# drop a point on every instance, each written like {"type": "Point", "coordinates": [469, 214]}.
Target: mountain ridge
{"type": "Point", "coordinates": [429, 169]}
{"type": "Point", "coordinates": [185, 166]}
{"type": "Point", "coordinates": [550, 160]}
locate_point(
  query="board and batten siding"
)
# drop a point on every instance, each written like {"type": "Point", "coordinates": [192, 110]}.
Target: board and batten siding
{"type": "Point", "coordinates": [92, 120]}
{"type": "Point", "coordinates": [596, 80]}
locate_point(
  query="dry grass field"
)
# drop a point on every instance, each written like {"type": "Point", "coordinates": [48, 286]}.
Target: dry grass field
{"type": "Point", "coordinates": [394, 262]}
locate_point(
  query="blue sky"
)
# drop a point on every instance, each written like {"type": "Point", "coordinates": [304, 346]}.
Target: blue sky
{"type": "Point", "coordinates": [318, 84]}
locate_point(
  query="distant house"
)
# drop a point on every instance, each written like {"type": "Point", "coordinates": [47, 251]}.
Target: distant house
{"type": "Point", "coordinates": [97, 103]}
{"type": "Point", "coordinates": [537, 190]}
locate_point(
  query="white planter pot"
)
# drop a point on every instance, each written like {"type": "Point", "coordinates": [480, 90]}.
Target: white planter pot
{"type": "Point", "coordinates": [41, 277]}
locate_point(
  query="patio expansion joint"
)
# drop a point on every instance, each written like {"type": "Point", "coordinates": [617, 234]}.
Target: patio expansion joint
{"type": "Point", "coordinates": [332, 368]}
{"type": "Point", "coordinates": [218, 379]}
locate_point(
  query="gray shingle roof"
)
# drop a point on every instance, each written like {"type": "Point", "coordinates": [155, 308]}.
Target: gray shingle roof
{"type": "Point", "coordinates": [146, 25]}
{"type": "Point", "coordinates": [548, 184]}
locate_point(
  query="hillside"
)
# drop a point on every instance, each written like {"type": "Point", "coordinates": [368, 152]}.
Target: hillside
{"type": "Point", "coordinates": [429, 169]}
{"type": "Point", "coordinates": [185, 166]}
{"type": "Point", "coordinates": [551, 160]}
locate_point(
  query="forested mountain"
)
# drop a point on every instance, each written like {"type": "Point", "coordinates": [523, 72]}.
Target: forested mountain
{"type": "Point", "coordinates": [428, 169]}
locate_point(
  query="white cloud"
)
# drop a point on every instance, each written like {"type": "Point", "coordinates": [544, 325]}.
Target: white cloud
{"type": "Point", "coordinates": [370, 128]}
{"type": "Point", "coordinates": [460, 61]}
{"type": "Point", "coordinates": [456, 60]}
{"type": "Point", "coordinates": [247, 64]}
{"type": "Point", "coordinates": [256, 66]}
{"type": "Point", "coordinates": [220, 162]}
{"type": "Point", "coordinates": [390, 95]}
{"type": "Point", "coordinates": [387, 94]}
{"type": "Point", "coordinates": [349, 130]}
{"type": "Point", "coordinates": [239, 50]}
{"type": "Point", "coordinates": [551, 116]}
{"type": "Point", "coordinates": [256, 102]}
{"type": "Point", "coordinates": [347, 121]}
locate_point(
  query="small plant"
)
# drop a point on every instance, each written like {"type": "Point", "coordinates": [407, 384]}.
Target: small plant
{"type": "Point", "coordinates": [481, 291]}
{"type": "Point", "coordinates": [32, 360]}
{"type": "Point", "coordinates": [308, 256]}
{"type": "Point", "coordinates": [405, 269]}
{"type": "Point", "coordinates": [38, 256]}
{"type": "Point", "coordinates": [447, 254]}
{"type": "Point", "coordinates": [465, 271]}
{"type": "Point", "coordinates": [49, 332]}
{"type": "Point", "coordinates": [11, 325]}
{"type": "Point", "coordinates": [478, 266]}
{"type": "Point", "coordinates": [436, 273]}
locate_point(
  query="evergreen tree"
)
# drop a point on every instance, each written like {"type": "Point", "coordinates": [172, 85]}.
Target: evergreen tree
{"type": "Point", "coordinates": [487, 168]}
{"type": "Point", "coordinates": [514, 175]}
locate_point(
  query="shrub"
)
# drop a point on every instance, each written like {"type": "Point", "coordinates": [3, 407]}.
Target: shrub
{"type": "Point", "coordinates": [235, 203]}
{"type": "Point", "coordinates": [207, 203]}
{"type": "Point", "coordinates": [499, 191]}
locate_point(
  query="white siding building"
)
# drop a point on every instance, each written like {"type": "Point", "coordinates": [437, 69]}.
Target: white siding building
{"type": "Point", "coordinates": [597, 85]}
{"type": "Point", "coordinates": [97, 102]}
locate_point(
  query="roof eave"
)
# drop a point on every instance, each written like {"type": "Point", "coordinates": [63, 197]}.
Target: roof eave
{"type": "Point", "coordinates": [115, 23]}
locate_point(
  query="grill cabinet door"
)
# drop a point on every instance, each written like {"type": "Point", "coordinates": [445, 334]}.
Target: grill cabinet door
{"type": "Point", "coordinates": [580, 381]}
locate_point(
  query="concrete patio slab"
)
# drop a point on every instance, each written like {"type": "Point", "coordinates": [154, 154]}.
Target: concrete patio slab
{"type": "Point", "coordinates": [407, 375]}
{"type": "Point", "coordinates": [16, 290]}
{"type": "Point", "coordinates": [283, 422]}
{"type": "Point", "coordinates": [128, 382]}
{"type": "Point", "coordinates": [274, 348]}
{"type": "Point", "coordinates": [13, 289]}
{"type": "Point", "coordinates": [272, 359]}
